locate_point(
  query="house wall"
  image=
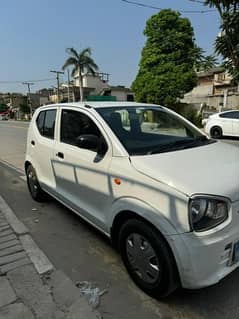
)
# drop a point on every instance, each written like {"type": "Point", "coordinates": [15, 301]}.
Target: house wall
{"type": "Point", "coordinates": [90, 81]}
{"type": "Point", "coordinates": [214, 101]}
{"type": "Point", "coordinates": [120, 95]}
{"type": "Point", "coordinates": [211, 88]}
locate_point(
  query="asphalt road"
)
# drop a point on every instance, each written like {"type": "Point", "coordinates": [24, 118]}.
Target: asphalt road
{"type": "Point", "coordinates": [86, 255]}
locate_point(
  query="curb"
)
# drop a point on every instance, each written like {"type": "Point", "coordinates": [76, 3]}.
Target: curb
{"type": "Point", "coordinates": [30, 286]}
{"type": "Point", "coordinates": [40, 261]}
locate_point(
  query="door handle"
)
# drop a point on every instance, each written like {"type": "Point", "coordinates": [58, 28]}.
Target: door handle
{"type": "Point", "coordinates": [60, 155]}
{"type": "Point", "coordinates": [33, 143]}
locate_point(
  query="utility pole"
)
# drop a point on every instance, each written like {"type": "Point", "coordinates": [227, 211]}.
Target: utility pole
{"type": "Point", "coordinates": [29, 94]}
{"type": "Point", "coordinates": [58, 83]}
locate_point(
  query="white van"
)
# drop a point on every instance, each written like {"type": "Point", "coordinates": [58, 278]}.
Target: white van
{"type": "Point", "coordinates": [163, 192]}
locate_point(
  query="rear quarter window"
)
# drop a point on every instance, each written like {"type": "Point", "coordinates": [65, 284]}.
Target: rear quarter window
{"type": "Point", "coordinates": [40, 121]}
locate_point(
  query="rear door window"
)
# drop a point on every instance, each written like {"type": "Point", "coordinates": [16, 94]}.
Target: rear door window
{"type": "Point", "coordinates": [46, 123]}
{"type": "Point", "coordinates": [230, 115]}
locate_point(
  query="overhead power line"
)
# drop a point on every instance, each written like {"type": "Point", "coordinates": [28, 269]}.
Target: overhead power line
{"type": "Point", "coordinates": [15, 82]}
{"type": "Point", "coordinates": [197, 1]}
{"type": "Point", "coordinates": [140, 4]}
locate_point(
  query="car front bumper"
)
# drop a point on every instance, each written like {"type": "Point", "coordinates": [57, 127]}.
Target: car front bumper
{"type": "Point", "coordinates": [204, 260]}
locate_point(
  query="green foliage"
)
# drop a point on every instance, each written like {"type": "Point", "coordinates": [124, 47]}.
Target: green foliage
{"type": "Point", "coordinates": [189, 113]}
{"type": "Point", "coordinates": [227, 43]}
{"type": "Point", "coordinates": [3, 107]}
{"type": "Point", "coordinates": [205, 62]}
{"type": "Point", "coordinates": [81, 61]}
{"type": "Point", "coordinates": [166, 69]}
{"type": "Point", "coordinates": [25, 109]}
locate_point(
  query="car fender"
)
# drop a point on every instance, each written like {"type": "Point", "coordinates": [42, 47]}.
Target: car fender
{"type": "Point", "coordinates": [143, 210]}
{"type": "Point", "coordinates": [212, 123]}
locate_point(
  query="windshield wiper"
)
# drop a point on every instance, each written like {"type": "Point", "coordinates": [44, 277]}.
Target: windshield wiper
{"type": "Point", "coordinates": [179, 144]}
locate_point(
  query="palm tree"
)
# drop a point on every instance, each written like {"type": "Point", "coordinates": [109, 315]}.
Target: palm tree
{"type": "Point", "coordinates": [81, 62]}
{"type": "Point", "coordinates": [227, 42]}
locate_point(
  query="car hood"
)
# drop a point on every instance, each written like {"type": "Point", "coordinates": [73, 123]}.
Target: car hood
{"type": "Point", "coordinates": [208, 169]}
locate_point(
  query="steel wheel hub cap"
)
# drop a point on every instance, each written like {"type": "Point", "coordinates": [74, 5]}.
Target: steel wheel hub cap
{"type": "Point", "coordinates": [142, 258]}
{"type": "Point", "coordinates": [32, 182]}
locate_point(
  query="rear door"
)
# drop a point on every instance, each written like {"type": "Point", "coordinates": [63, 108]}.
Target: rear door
{"type": "Point", "coordinates": [82, 179]}
{"type": "Point", "coordinates": [226, 121]}
{"type": "Point", "coordinates": [41, 143]}
{"type": "Point", "coordinates": [235, 123]}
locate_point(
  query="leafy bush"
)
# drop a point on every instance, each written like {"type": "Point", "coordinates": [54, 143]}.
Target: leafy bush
{"type": "Point", "coordinates": [188, 112]}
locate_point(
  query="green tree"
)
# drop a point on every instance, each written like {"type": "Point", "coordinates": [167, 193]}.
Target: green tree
{"type": "Point", "coordinates": [206, 62]}
{"type": "Point", "coordinates": [227, 42]}
{"type": "Point", "coordinates": [25, 109]}
{"type": "Point", "coordinates": [3, 107]}
{"type": "Point", "coordinates": [81, 62]}
{"type": "Point", "coordinates": [166, 70]}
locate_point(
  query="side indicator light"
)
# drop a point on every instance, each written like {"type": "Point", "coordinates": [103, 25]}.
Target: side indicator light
{"type": "Point", "coordinates": [117, 181]}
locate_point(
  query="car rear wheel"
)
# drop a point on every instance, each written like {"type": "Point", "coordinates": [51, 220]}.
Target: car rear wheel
{"type": "Point", "coordinates": [148, 258]}
{"type": "Point", "coordinates": [33, 185]}
{"type": "Point", "coordinates": [216, 132]}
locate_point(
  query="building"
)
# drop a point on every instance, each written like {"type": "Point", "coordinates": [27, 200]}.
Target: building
{"type": "Point", "coordinates": [120, 92]}
{"type": "Point", "coordinates": [98, 85]}
{"type": "Point", "coordinates": [95, 87]}
{"type": "Point", "coordinates": [216, 89]}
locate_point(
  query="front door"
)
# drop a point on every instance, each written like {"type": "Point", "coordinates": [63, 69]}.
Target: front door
{"type": "Point", "coordinates": [81, 175]}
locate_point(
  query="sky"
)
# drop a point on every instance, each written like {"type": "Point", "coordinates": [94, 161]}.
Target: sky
{"type": "Point", "coordinates": [35, 34]}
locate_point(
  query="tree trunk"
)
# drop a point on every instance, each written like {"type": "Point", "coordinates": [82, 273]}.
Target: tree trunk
{"type": "Point", "coordinates": [81, 85]}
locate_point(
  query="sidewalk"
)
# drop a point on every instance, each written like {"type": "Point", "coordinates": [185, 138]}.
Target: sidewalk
{"type": "Point", "coordinates": [30, 286]}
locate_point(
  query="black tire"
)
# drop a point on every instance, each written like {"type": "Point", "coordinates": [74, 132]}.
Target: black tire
{"type": "Point", "coordinates": [216, 132]}
{"type": "Point", "coordinates": [33, 185]}
{"type": "Point", "coordinates": [162, 277]}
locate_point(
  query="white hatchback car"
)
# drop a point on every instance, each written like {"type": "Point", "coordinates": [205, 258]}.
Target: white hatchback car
{"type": "Point", "coordinates": [140, 173]}
{"type": "Point", "coordinates": [223, 124]}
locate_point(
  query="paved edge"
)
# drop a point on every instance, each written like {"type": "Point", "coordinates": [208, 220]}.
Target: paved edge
{"type": "Point", "coordinates": [18, 227]}
{"type": "Point", "coordinates": [40, 261]}
{"type": "Point", "coordinates": [18, 170]}
{"type": "Point", "coordinates": [36, 255]}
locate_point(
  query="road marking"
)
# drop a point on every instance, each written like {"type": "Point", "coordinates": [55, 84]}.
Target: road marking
{"type": "Point", "coordinates": [24, 178]}
{"type": "Point", "coordinates": [15, 126]}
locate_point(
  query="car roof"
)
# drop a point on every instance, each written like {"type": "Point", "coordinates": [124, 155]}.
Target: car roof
{"type": "Point", "coordinates": [100, 104]}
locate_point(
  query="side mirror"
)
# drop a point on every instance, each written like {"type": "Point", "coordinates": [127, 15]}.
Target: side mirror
{"type": "Point", "coordinates": [88, 141]}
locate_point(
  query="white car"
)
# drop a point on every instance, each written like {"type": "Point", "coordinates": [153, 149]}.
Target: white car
{"type": "Point", "coordinates": [142, 175]}
{"type": "Point", "coordinates": [3, 117]}
{"type": "Point", "coordinates": [223, 124]}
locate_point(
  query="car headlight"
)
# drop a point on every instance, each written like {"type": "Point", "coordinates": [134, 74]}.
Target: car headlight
{"type": "Point", "coordinates": [207, 212]}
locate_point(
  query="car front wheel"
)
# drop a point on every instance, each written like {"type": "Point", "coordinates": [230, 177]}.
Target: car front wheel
{"type": "Point", "coordinates": [148, 258]}
{"type": "Point", "coordinates": [33, 185]}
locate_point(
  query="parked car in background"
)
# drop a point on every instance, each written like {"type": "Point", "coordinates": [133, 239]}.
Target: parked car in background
{"type": "Point", "coordinates": [205, 116]}
{"type": "Point", "coordinates": [3, 117]}
{"type": "Point", "coordinates": [140, 173]}
{"type": "Point", "coordinates": [223, 124]}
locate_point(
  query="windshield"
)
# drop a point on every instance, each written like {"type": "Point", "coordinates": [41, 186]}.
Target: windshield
{"type": "Point", "coordinates": [149, 130]}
